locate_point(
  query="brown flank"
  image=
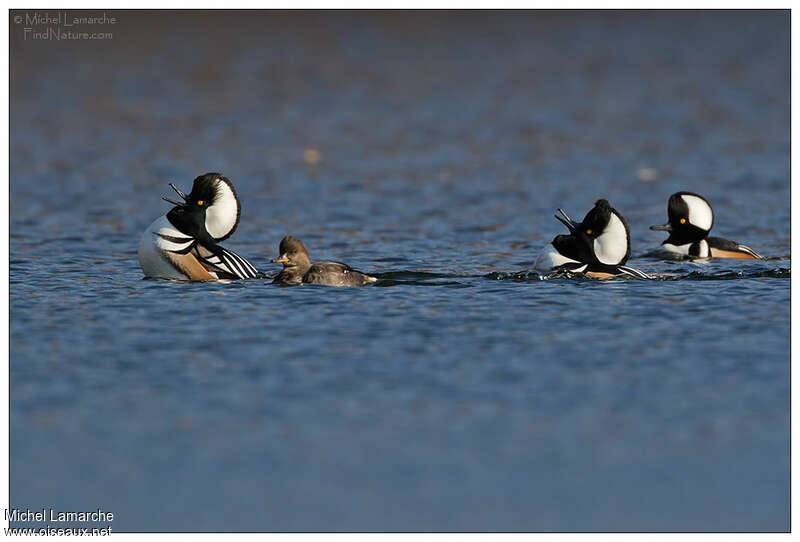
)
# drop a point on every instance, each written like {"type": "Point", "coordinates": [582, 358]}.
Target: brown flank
{"type": "Point", "coordinates": [189, 266]}
{"type": "Point", "coordinates": [717, 253]}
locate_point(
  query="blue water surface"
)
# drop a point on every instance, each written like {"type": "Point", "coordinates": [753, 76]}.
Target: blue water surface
{"type": "Point", "coordinates": [461, 392]}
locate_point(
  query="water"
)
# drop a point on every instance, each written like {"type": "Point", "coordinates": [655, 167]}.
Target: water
{"type": "Point", "coordinates": [461, 392]}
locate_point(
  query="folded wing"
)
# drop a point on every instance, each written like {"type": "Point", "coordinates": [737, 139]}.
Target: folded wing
{"type": "Point", "coordinates": [225, 263]}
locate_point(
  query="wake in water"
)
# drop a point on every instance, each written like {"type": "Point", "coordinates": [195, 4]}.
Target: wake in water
{"type": "Point", "coordinates": [423, 278]}
{"type": "Point", "coordinates": [524, 276]}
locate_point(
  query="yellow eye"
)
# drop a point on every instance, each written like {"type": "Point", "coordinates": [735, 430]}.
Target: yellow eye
{"type": "Point", "coordinates": [200, 202]}
{"type": "Point", "coordinates": [588, 232]}
{"type": "Point", "coordinates": [683, 221]}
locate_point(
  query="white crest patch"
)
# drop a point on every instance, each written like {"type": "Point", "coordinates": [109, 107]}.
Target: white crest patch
{"type": "Point", "coordinates": [611, 246]}
{"type": "Point", "coordinates": [700, 213]}
{"type": "Point", "coordinates": [222, 215]}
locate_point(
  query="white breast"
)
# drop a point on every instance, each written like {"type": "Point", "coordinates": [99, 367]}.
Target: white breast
{"type": "Point", "coordinates": [683, 250]}
{"type": "Point", "coordinates": [549, 258]}
{"type": "Point", "coordinates": [611, 246]}
{"type": "Point", "coordinates": [152, 247]}
{"type": "Point", "coordinates": [703, 250]}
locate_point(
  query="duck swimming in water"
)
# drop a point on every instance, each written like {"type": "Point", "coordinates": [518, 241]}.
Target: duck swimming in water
{"type": "Point", "coordinates": [298, 269]}
{"type": "Point", "coordinates": [597, 247]}
{"type": "Point", "coordinates": [690, 221]}
{"type": "Point", "coordinates": [184, 244]}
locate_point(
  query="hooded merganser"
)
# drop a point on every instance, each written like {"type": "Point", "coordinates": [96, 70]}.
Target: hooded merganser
{"type": "Point", "coordinates": [183, 245]}
{"type": "Point", "coordinates": [690, 221]}
{"type": "Point", "coordinates": [298, 269]}
{"type": "Point", "coordinates": [597, 247]}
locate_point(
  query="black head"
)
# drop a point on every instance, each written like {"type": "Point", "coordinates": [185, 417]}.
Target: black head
{"type": "Point", "coordinates": [602, 237]}
{"type": "Point", "coordinates": [293, 253]}
{"type": "Point", "coordinates": [690, 218]}
{"type": "Point", "coordinates": [210, 211]}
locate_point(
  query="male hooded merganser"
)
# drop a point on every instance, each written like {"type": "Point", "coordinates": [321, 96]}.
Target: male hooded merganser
{"type": "Point", "coordinates": [690, 221]}
{"type": "Point", "coordinates": [183, 244]}
{"type": "Point", "coordinates": [597, 247]}
{"type": "Point", "coordinates": [297, 268]}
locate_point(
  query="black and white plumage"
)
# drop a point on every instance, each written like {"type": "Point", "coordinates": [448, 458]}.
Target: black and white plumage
{"type": "Point", "coordinates": [690, 221]}
{"type": "Point", "coordinates": [298, 269]}
{"type": "Point", "coordinates": [183, 245]}
{"type": "Point", "coordinates": [597, 247]}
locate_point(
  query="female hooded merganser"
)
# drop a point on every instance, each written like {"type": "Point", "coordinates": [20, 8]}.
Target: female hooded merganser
{"type": "Point", "coordinates": [298, 269]}
{"type": "Point", "coordinates": [183, 244]}
{"type": "Point", "coordinates": [597, 247]}
{"type": "Point", "coordinates": [690, 221]}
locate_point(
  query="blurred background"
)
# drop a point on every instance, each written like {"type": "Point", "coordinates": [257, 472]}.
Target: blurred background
{"type": "Point", "coordinates": [431, 148]}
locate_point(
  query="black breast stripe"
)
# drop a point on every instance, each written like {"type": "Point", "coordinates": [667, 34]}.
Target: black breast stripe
{"type": "Point", "coordinates": [186, 250]}
{"type": "Point", "coordinates": [171, 239]}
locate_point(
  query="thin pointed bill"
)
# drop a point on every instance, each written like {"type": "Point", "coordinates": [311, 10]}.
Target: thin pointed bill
{"type": "Point", "coordinates": [179, 204]}
{"type": "Point", "coordinates": [179, 192]}
{"type": "Point", "coordinates": [571, 225]}
{"type": "Point", "coordinates": [662, 227]}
